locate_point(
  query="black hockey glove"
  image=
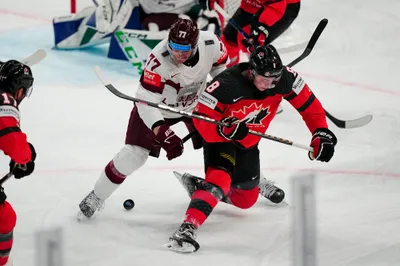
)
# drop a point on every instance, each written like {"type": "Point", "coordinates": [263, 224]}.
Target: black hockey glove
{"type": "Point", "coordinates": [206, 4]}
{"type": "Point", "coordinates": [323, 141]}
{"type": "Point", "coordinates": [20, 171]}
{"type": "Point", "coordinates": [237, 130]}
{"type": "Point", "coordinates": [3, 196]}
{"type": "Point", "coordinates": [256, 29]}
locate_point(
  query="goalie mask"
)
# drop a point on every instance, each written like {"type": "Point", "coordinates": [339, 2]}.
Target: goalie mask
{"type": "Point", "coordinates": [182, 39]}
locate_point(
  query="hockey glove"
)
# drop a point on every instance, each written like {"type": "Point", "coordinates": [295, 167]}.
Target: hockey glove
{"type": "Point", "coordinates": [169, 141]}
{"type": "Point", "coordinates": [323, 141]}
{"type": "Point", "coordinates": [22, 170]}
{"type": "Point", "coordinates": [237, 130]}
{"type": "Point", "coordinates": [3, 196]}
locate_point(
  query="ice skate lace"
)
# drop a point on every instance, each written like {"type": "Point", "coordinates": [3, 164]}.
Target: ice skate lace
{"type": "Point", "coordinates": [188, 230]}
{"type": "Point", "coordinates": [267, 188]}
{"type": "Point", "coordinates": [94, 202]}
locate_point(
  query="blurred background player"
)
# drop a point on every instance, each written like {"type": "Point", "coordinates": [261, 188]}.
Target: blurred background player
{"type": "Point", "coordinates": [263, 20]}
{"type": "Point", "coordinates": [175, 72]}
{"type": "Point", "coordinates": [245, 96]}
{"type": "Point", "coordinates": [16, 82]}
{"type": "Point", "coordinates": [94, 25]}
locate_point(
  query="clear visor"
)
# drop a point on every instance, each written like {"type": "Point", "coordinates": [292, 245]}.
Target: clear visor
{"type": "Point", "coordinates": [264, 82]}
{"type": "Point", "coordinates": [28, 92]}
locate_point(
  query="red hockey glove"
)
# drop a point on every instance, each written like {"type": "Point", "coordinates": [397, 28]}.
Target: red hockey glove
{"type": "Point", "coordinates": [170, 142]}
{"type": "Point", "coordinates": [22, 170]}
{"type": "Point", "coordinates": [323, 141]}
{"type": "Point", "coordinates": [237, 130]}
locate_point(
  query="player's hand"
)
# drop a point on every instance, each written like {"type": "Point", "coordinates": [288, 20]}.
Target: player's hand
{"type": "Point", "coordinates": [22, 170]}
{"type": "Point", "coordinates": [206, 4]}
{"type": "Point", "coordinates": [235, 129]}
{"type": "Point", "coordinates": [169, 141]}
{"type": "Point", "coordinates": [323, 141]}
{"type": "Point", "coordinates": [3, 196]}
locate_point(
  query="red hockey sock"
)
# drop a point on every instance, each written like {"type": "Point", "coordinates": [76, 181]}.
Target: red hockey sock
{"type": "Point", "coordinates": [204, 201]}
{"type": "Point", "coordinates": [8, 220]}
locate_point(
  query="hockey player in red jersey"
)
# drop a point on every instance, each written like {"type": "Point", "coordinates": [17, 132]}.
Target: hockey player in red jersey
{"type": "Point", "coordinates": [245, 97]}
{"type": "Point", "coordinates": [15, 84]}
{"type": "Point", "coordinates": [263, 20]}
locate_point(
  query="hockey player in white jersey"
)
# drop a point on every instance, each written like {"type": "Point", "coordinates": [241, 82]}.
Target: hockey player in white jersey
{"type": "Point", "coordinates": [175, 73]}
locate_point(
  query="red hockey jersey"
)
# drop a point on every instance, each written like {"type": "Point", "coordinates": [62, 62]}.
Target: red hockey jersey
{"type": "Point", "coordinates": [13, 141]}
{"type": "Point", "coordinates": [231, 94]}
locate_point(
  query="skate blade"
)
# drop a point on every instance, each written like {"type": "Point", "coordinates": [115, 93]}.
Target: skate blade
{"type": "Point", "coordinates": [185, 248]}
{"type": "Point", "coordinates": [81, 217]}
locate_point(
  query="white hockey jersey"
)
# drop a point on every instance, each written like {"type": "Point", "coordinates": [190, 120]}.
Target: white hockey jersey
{"type": "Point", "coordinates": [167, 6]}
{"type": "Point", "coordinates": [178, 86]}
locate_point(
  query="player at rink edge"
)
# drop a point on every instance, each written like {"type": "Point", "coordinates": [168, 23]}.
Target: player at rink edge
{"type": "Point", "coordinates": [245, 96]}
{"type": "Point", "coordinates": [16, 82]}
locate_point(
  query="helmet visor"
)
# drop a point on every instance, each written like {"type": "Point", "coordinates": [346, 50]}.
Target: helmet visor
{"type": "Point", "coordinates": [180, 47]}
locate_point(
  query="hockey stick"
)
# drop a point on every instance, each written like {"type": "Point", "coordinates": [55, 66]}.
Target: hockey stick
{"type": "Point", "coordinates": [116, 92]}
{"type": "Point", "coordinates": [34, 58]}
{"type": "Point", "coordinates": [128, 50]}
{"type": "Point", "coordinates": [5, 178]}
{"type": "Point", "coordinates": [358, 122]}
{"type": "Point", "coordinates": [310, 46]}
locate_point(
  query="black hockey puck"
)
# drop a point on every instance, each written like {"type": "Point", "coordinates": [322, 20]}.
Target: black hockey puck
{"type": "Point", "coordinates": [129, 204]}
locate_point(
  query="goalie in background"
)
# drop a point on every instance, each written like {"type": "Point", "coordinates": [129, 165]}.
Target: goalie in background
{"type": "Point", "coordinates": [94, 25]}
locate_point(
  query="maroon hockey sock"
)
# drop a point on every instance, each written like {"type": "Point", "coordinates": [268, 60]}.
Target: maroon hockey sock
{"type": "Point", "coordinates": [113, 174]}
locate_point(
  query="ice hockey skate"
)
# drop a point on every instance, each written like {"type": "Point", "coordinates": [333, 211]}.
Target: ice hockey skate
{"type": "Point", "coordinates": [190, 182]}
{"type": "Point", "coordinates": [89, 205]}
{"type": "Point", "coordinates": [270, 191]}
{"type": "Point", "coordinates": [183, 240]}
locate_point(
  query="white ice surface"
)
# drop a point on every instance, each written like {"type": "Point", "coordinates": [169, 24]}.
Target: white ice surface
{"type": "Point", "coordinates": [77, 126]}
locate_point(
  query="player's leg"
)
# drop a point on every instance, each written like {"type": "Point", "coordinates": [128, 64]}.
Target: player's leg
{"type": "Point", "coordinates": [230, 35]}
{"type": "Point", "coordinates": [219, 160]}
{"type": "Point", "coordinates": [244, 188]}
{"type": "Point", "coordinates": [276, 30]}
{"type": "Point", "coordinates": [138, 144]}
{"type": "Point", "coordinates": [248, 181]}
{"type": "Point", "coordinates": [8, 220]}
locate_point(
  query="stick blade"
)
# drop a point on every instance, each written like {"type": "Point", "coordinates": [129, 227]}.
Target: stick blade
{"type": "Point", "coordinates": [360, 122]}
{"type": "Point", "coordinates": [34, 58]}
{"type": "Point", "coordinates": [354, 123]}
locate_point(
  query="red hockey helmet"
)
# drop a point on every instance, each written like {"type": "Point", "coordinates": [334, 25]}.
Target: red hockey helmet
{"type": "Point", "coordinates": [183, 35]}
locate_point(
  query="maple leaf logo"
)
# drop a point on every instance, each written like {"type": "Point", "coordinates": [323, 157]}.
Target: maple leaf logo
{"type": "Point", "coordinates": [252, 114]}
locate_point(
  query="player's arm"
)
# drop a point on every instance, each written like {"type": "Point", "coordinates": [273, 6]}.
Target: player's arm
{"type": "Point", "coordinates": [213, 104]}
{"type": "Point", "coordinates": [220, 56]}
{"type": "Point", "coordinates": [13, 141]}
{"type": "Point", "coordinates": [310, 108]}
{"type": "Point", "coordinates": [151, 86]}
{"type": "Point", "coordinates": [273, 11]}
